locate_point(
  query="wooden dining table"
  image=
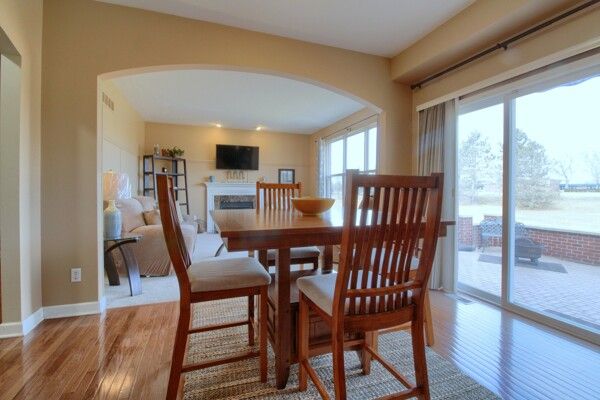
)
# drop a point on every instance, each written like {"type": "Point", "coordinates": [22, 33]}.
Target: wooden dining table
{"type": "Point", "coordinates": [265, 229]}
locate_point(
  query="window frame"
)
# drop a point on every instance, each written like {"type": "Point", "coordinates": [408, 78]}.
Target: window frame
{"type": "Point", "coordinates": [347, 133]}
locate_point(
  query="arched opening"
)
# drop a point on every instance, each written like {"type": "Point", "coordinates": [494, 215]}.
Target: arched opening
{"type": "Point", "coordinates": [117, 160]}
{"type": "Point", "coordinates": [10, 104]}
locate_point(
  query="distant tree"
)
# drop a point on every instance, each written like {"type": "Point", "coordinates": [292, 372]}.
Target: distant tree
{"type": "Point", "coordinates": [534, 188]}
{"type": "Point", "coordinates": [593, 161]}
{"type": "Point", "coordinates": [564, 167]}
{"type": "Point", "coordinates": [476, 165]}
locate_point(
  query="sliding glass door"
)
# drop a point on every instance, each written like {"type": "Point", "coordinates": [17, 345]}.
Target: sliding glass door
{"type": "Point", "coordinates": [528, 169]}
{"type": "Point", "coordinates": [556, 202]}
{"type": "Point", "coordinates": [479, 170]}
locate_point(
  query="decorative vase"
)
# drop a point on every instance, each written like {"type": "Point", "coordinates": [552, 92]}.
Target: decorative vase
{"type": "Point", "coordinates": [112, 221]}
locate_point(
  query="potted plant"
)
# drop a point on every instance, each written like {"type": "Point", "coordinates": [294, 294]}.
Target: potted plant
{"type": "Point", "coordinates": [176, 152]}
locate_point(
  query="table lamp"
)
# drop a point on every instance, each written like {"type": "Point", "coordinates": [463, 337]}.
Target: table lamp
{"type": "Point", "coordinates": [115, 186]}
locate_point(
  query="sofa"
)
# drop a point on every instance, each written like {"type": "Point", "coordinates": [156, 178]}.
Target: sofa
{"type": "Point", "coordinates": [140, 216]}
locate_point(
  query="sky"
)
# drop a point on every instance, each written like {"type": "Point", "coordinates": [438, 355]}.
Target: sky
{"type": "Point", "coordinates": [565, 120]}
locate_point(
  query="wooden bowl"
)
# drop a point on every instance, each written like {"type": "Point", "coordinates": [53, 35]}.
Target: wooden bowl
{"type": "Point", "coordinates": [312, 205]}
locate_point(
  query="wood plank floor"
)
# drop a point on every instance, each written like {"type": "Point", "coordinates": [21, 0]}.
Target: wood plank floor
{"type": "Point", "coordinates": [125, 354]}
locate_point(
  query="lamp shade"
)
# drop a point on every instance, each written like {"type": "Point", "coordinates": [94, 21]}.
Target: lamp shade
{"type": "Point", "coordinates": [115, 186]}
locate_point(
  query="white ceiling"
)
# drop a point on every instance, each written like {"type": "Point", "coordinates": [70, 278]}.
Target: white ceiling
{"type": "Point", "coordinates": [380, 27]}
{"type": "Point", "coordinates": [239, 100]}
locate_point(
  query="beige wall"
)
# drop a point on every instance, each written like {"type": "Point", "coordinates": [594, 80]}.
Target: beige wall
{"type": "Point", "coordinates": [123, 133]}
{"type": "Point", "coordinates": [276, 150]}
{"type": "Point", "coordinates": [21, 20]}
{"type": "Point", "coordinates": [573, 36]}
{"type": "Point", "coordinates": [84, 39]}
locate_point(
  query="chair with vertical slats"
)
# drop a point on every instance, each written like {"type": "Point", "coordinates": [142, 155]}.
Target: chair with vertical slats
{"type": "Point", "coordinates": [374, 289]}
{"type": "Point", "coordinates": [429, 334]}
{"type": "Point", "coordinates": [206, 281]}
{"type": "Point", "coordinates": [277, 196]}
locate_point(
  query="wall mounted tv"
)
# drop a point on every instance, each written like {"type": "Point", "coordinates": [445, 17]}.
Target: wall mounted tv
{"type": "Point", "coordinates": [237, 157]}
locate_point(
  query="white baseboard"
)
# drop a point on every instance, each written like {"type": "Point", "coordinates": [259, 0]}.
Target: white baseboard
{"type": "Point", "coordinates": [72, 310]}
{"type": "Point", "coordinates": [11, 329]}
{"type": "Point", "coordinates": [22, 328]}
{"type": "Point", "coordinates": [33, 320]}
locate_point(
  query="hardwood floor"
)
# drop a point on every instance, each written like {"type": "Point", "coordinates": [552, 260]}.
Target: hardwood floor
{"type": "Point", "coordinates": [125, 354]}
{"type": "Point", "coordinates": [512, 356]}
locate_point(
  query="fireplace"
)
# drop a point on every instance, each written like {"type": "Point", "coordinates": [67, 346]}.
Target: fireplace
{"type": "Point", "coordinates": [234, 202]}
{"type": "Point", "coordinates": [227, 196]}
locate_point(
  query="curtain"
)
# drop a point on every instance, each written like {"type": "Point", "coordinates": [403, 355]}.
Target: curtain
{"type": "Point", "coordinates": [321, 168]}
{"type": "Point", "coordinates": [437, 139]}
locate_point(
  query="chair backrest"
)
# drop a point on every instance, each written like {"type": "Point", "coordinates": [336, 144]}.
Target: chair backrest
{"type": "Point", "coordinates": [178, 252]}
{"type": "Point", "coordinates": [379, 240]}
{"type": "Point", "coordinates": [276, 196]}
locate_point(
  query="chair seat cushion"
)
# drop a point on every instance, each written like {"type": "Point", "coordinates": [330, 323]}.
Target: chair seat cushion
{"type": "Point", "coordinates": [320, 289]}
{"type": "Point", "coordinates": [296, 253]}
{"type": "Point", "coordinates": [228, 273]}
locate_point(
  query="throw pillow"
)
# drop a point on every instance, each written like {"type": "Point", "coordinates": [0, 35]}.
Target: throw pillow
{"type": "Point", "coordinates": [131, 213]}
{"type": "Point", "coordinates": [152, 217]}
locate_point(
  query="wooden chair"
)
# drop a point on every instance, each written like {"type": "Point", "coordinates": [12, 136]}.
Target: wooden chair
{"type": "Point", "coordinates": [206, 281]}
{"type": "Point", "coordinates": [277, 196]}
{"type": "Point", "coordinates": [429, 335]}
{"type": "Point", "coordinates": [370, 294]}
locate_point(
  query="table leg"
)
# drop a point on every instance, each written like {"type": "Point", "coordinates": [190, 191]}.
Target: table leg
{"type": "Point", "coordinates": [283, 321]}
{"type": "Point", "coordinates": [328, 258]}
{"type": "Point", "coordinates": [111, 270]}
{"type": "Point", "coordinates": [133, 270]}
{"type": "Point", "coordinates": [262, 258]}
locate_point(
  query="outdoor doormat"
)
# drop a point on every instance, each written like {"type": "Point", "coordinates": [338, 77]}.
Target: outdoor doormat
{"type": "Point", "coordinates": [541, 265]}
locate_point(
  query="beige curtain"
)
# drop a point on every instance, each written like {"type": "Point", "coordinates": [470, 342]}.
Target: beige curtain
{"type": "Point", "coordinates": [431, 139]}
{"type": "Point", "coordinates": [437, 138]}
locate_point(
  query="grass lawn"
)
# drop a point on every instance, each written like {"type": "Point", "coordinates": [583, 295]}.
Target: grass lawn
{"type": "Point", "coordinates": [573, 211]}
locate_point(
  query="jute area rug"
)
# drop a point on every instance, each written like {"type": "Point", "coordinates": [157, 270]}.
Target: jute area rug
{"type": "Point", "coordinates": [240, 380]}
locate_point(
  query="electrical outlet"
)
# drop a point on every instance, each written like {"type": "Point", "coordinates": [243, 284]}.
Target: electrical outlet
{"type": "Point", "coordinates": [75, 274]}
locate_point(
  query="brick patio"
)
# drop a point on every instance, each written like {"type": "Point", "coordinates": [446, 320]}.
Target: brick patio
{"type": "Point", "coordinates": [575, 294]}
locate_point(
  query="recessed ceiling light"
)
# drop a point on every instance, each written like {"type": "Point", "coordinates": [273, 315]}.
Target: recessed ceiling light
{"type": "Point", "coordinates": [218, 125]}
{"type": "Point", "coordinates": [258, 128]}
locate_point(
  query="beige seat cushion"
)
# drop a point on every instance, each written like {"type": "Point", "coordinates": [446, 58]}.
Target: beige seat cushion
{"type": "Point", "coordinates": [228, 273]}
{"type": "Point", "coordinates": [297, 252]}
{"type": "Point", "coordinates": [320, 289]}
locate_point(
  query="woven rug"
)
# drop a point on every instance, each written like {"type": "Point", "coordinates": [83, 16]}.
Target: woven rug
{"type": "Point", "coordinates": [240, 380]}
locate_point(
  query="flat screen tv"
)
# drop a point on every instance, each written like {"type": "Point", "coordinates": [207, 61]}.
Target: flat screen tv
{"type": "Point", "coordinates": [237, 157]}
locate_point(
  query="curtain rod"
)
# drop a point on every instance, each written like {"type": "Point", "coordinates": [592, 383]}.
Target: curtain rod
{"type": "Point", "coordinates": [504, 44]}
{"type": "Point", "coordinates": [559, 63]}
{"type": "Point", "coordinates": [349, 127]}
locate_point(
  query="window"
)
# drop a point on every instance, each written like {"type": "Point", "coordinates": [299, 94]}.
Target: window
{"type": "Point", "coordinates": [355, 150]}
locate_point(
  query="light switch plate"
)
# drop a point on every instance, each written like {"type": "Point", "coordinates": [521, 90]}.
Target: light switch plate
{"type": "Point", "coordinates": [75, 274]}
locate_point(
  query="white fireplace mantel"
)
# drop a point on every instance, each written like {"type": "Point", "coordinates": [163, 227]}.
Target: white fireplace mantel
{"type": "Point", "coordinates": [222, 188]}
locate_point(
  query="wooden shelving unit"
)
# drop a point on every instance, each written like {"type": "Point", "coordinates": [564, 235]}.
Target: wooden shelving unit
{"type": "Point", "coordinates": [176, 167]}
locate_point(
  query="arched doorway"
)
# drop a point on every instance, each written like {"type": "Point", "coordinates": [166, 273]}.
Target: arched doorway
{"type": "Point", "coordinates": [109, 77]}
